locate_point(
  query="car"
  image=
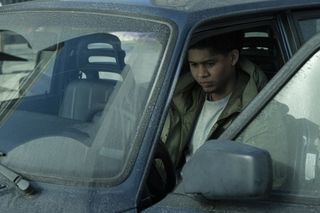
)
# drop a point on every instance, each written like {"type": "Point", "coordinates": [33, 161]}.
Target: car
{"type": "Point", "coordinates": [85, 90]}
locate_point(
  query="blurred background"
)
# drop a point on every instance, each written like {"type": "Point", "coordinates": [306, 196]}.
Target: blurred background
{"type": "Point", "coordinates": [3, 2]}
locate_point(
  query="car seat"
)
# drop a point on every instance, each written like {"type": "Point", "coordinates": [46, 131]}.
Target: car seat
{"type": "Point", "coordinates": [83, 98]}
{"type": "Point", "coordinates": [263, 52]}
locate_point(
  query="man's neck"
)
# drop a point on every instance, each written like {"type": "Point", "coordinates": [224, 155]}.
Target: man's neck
{"type": "Point", "coordinates": [216, 96]}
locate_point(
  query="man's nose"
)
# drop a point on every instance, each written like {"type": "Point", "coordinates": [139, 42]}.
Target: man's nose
{"type": "Point", "coordinates": [202, 71]}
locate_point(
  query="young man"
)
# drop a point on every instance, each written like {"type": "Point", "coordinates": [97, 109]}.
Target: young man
{"type": "Point", "coordinates": [209, 97]}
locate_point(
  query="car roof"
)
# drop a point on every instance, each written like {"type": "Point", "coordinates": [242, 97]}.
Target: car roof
{"type": "Point", "coordinates": [179, 11]}
{"type": "Point", "coordinates": [198, 5]}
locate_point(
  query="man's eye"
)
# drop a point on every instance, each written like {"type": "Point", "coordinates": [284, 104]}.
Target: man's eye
{"type": "Point", "coordinates": [211, 64]}
{"type": "Point", "coordinates": [193, 65]}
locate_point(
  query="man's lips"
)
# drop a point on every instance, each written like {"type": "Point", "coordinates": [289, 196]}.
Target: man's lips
{"type": "Point", "coordinates": [207, 84]}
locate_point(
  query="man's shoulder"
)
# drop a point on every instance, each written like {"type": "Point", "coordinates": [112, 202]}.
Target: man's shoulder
{"type": "Point", "coordinates": [188, 95]}
{"type": "Point", "coordinates": [185, 81]}
{"type": "Point", "coordinates": [254, 71]}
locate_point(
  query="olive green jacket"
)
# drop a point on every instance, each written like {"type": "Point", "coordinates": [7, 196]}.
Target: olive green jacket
{"type": "Point", "coordinates": [188, 101]}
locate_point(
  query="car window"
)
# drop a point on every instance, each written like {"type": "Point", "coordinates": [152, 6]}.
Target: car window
{"type": "Point", "coordinates": [76, 93]}
{"type": "Point", "coordinates": [288, 127]}
{"type": "Point", "coordinates": [308, 28]}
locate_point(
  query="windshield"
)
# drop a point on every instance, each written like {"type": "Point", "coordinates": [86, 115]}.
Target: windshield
{"type": "Point", "coordinates": [74, 91]}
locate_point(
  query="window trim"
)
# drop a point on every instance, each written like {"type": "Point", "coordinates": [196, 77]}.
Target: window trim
{"type": "Point", "coordinates": [289, 35]}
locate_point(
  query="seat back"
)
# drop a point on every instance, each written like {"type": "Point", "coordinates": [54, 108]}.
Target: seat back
{"type": "Point", "coordinates": [92, 54]}
{"type": "Point", "coordinates": [99, 52]}
{"type": "Point", "coordinates": [263, 52]}
{"type": "Point", "coordinates": [83, 99]}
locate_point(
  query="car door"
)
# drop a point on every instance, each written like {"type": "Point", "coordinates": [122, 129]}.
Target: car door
{"type": "Point", "coordinates": [284, 119]}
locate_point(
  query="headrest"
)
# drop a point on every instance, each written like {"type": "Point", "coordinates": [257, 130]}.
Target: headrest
{"type": "Point", "coordinates": [95, 52]}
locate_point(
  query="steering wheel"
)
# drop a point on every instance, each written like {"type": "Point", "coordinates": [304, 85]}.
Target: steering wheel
{"type": "Point", "coordinates": [162, 176]}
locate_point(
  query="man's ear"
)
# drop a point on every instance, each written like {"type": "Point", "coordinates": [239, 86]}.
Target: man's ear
{"type": "Point", "coordinates": [234, 54]}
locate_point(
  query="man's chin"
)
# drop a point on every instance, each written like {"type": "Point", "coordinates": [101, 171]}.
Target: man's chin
{"type": "Point", "coordinates": [209, 89]}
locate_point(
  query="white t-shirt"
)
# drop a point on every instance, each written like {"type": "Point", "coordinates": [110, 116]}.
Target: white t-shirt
{"type": "Point", "coordinates": [209, 115]}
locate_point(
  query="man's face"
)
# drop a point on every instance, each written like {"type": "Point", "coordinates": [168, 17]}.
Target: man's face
{"type": "Point", "coordinates": [211, 71]}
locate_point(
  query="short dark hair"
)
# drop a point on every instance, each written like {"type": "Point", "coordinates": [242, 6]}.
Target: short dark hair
{"type": "Point", "coordinates": [221, 44]}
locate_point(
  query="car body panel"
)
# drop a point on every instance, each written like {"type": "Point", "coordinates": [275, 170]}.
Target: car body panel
{"type": "Point", "coordinates": [176, 202]}
{"type": "Point", "coordinates": [125, 197]}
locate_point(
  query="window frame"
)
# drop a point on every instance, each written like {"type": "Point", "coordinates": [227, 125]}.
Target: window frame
{"type": "Point", "coordinates": [158, 80]}
{"type": "Point", "coordinates": [224, 25]}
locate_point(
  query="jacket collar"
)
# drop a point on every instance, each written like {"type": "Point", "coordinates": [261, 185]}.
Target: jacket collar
{"type": "Point", "coordinates": [245, 89]}
{"type": "Point", "coordinates": [235, 104]}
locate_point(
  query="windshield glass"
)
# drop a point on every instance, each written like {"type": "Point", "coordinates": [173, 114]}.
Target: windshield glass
{"type": "Point", "coordinates": [74, 91]}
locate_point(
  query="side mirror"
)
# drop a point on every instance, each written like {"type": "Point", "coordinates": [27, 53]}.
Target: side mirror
{"type": "Point", "coordinates": [223, 169]}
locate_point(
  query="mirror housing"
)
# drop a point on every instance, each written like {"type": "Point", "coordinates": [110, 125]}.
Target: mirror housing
{"type": "Point", "coordinates": [223, 169]}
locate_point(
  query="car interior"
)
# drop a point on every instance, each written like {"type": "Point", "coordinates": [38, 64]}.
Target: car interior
{"type": "Point", "coordinates": [78, 91]}
{"type": "Point", "coordinates": [260, 46]}
{"type": "Point", "coordinates": [77, 95]}
{"type": "Point", "coordinates": [84, 98]}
